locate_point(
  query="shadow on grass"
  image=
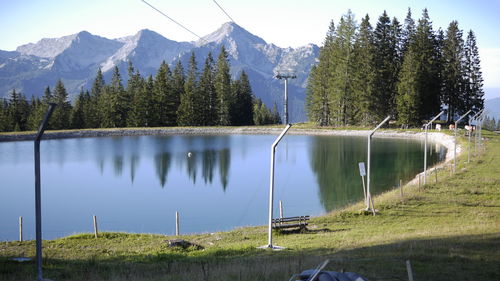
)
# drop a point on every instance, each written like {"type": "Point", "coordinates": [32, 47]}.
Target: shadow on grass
{"type": "Point", "coordinates": [473, 257]}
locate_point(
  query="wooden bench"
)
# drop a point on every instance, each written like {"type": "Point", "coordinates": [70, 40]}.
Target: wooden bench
{"type": "Point", "coordinates": [291, 222]}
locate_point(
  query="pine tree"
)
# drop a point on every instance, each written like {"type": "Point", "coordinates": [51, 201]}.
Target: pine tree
{"type": "Point", "coordinates": [317, 106]}
{"type": "Point", "coordinates": [363, 73]}
{"type": "Point", "coordinates": [429, 72]}
{"type": "Point", "coordinates": [453, 72]}
{"type": "Point", "coordinates": [172, 101]}
{"type": "Point", "coordinates": [318, 92]}
{"type": "Point", "coordinates": [60, 118]}
{"type": "Point", "coordinates": [94, 109]}
{"type": "Point", "coordinates": [419, 86]}
{"type": "Point", "coordinates": [275, 115]}
{"type": "Point", "coordinates": [386, 60]}
{"type": "Point", "coordinates": [142, 104]}
{"type": "Point", "coordinates": [122, 100]}
{"type": "Point", "coordinates": [146, 99]}
{"type": "Point", "coordinates": [408, 32]}
{"type": "Point", "coordinates": [134, 90]}
{"type": "Point", "coordinates": [34, 106]}
{"type": "Point", "coordinates": [223, 88]}
{"type": "Point", "coordinates": [474, 94]}
{"type": "Point", "coordinates": [262, 115]}
{"type": "Point", "coordinates": [178, 81]}
{"type": "Point", "coordinates": [258, 116]}
{"type": "Point", "coordinates": [408, 99]}
{"type": "Point", "coordinates": [162, 89]}
{"type": "Point", "coordinates": [18, 112]}
{"type": "Point", "coordinates": [189, 112]}
{"type": "Point", "coordinates": [115, 103]}
{"type": "Point", "coordinates": [77, 117]}
{"type": "Point", "coordinates": [342, 67]}
{"type": "Point", "coordinates": [396, 44]}
{"type": "Point", "coordinates": [4, 122]}
{"type": "Point", "coordinates": [207, 91]}
{"type": "Point", "coordinates": [242, 109]}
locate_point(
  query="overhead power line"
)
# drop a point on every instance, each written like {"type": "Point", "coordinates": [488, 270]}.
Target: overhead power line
{"type": "Point", "coordinates": [174, 21]}
{"type": "Point", "coordinates": [224, 11]}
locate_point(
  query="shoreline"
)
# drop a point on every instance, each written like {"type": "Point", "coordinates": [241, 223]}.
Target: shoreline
{"type": "Point", "coordinates": [439, 137]}
{"type": "Point", "coordinates": [433, 137]}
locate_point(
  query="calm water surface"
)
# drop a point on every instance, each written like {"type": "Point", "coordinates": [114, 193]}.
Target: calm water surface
{"type": "Point", "coordinates": [136, 184]}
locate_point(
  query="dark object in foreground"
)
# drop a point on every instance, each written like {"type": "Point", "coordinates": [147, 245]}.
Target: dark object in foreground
{"type": "Point", "coordinates": [331, 276]}
{"type": "Point", "coordinates": [183, 244]}
{"type": "Point", "coordinates": [291, 222]}
{"type": "Point", "coordinates": [318, 274]}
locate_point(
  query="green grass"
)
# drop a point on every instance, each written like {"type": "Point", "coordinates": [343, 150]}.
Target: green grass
{"type": "Point", "coordinates": [449, 230]}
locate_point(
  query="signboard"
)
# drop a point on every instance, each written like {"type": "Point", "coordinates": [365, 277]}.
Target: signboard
{"type": "Point", "coordinates": [362, 171]}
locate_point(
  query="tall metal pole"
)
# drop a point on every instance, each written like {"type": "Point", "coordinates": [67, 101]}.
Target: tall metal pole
{"type": "Point", "coordinates": [478, 128]}
{"type": "Point", "coordinates": [368, 194]}
{"type": "Point", "coordinates": [470, 133]}
{"type": "Point", "coordinates": [271, 190]}
{"type": "Point", "coordinates": [425, 144]}
{"type": "Point", "coordinates": [286, 101]}
{"type": "Point", "coordinates": [38, 195]}
{"type": "Point", "coordinates": [455, 149]}
{"type": "Point", "coordinates": [481, 120]}
{"type": "Point", "coordinates": [285, 108]}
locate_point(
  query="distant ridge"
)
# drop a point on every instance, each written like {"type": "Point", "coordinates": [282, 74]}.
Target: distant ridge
{"type": "Point", "coordinates": [75, 59]}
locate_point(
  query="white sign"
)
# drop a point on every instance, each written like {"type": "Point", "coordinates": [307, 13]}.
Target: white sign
{"type": "Point", "coordinates": [362, 171]}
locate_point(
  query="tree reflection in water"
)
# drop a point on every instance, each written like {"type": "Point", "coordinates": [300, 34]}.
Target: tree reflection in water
{"type": "Point", "coordinates": [334, 161]}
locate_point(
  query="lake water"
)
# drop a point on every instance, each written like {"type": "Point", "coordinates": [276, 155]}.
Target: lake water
{"type": "Point", "coordinates": [136, 184]}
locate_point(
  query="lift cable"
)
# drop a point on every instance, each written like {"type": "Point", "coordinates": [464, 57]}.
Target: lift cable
{"type": "Point", "coordinates": [224, 11]}
{"type": "Point", "coordinates": [174, 21]}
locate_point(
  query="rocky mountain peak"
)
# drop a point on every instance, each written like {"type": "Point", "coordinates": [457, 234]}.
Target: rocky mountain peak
{"type": "Point", "coordinates": [230, 31]}
{"type": "Point", "coordinates": [47, 47]}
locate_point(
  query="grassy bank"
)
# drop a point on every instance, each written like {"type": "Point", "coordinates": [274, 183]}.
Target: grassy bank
{"type": "Point", "coordinates": [450, 230]}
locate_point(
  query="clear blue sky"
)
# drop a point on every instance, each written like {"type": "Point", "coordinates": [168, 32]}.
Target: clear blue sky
{"type": "Point", "coordinates": [282, 22]}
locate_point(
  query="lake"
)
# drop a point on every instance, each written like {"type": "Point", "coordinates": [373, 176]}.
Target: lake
{"type": "Point", "coordinates": [219, 182]}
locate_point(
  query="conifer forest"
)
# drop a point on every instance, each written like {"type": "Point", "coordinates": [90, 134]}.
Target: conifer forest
{"type": "Point", "coordinates": [172, 98]}
{"type": "Point", "coordinates": [363, 73]}
{"type": "Point", "coordinates": [407, 70]}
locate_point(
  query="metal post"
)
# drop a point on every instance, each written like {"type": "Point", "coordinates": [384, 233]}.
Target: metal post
{"type": "Point", "coordinates": [96, 231]}
{"type": "Point", "coordinates": [425, 143]}
{"type": "Point", "coordinates": [285, 108]}
{"type": "Point", "coordinates": [362, 173]}
{"type": "Point", "coordinates": [470, 133]}
{"type": "Point", "coordinates": [177, 225]}
{"type": "Point", "coordinates": [271, 191]}
{"type": "Point", "coordinates": [368, 193]}
{"type": "Point", "coordinates": [281, 210]}
{"type": "Point", "coordinates": [409, 270]}
{"type": "Point", "coordinates": [20, 229]}
{"type": "Point", "coordinates": [455, 149]}
{"type": "Point", "coordinates": [481, 131]}
{"type": "Point", "coordinates": [38, 195]}
{"type": "Point", "coordinates": [364, 190]}
{"type": "Point", "coordinates": [476, 134]}
{"type": "Point", "coordinates": [286, 101]}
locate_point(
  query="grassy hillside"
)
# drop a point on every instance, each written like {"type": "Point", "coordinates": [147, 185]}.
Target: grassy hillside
{"type": "Point", "coordinates": [449, 230]}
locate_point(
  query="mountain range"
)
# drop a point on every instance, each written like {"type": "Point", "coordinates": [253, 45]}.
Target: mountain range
{"type": "Point", "coordinates": [76, 58]}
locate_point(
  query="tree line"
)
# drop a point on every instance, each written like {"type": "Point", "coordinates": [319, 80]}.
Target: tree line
{"type": "Point", "coordinates": [408, 71]}
{"type": "Point", "coordinates": [491, 124]}
{"type": "Point", "coordinates": [171, 98]}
